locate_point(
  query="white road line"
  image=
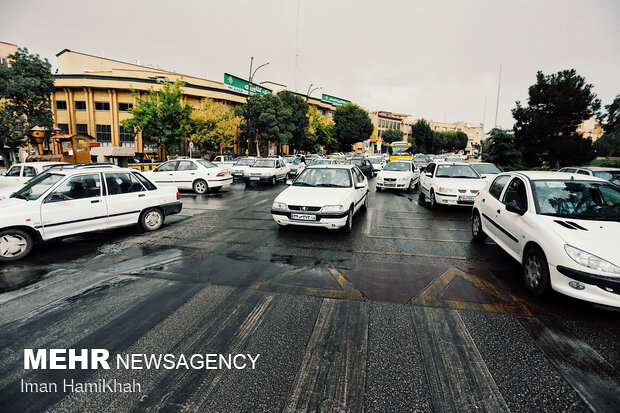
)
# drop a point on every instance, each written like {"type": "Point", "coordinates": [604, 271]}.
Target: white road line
{"type": "Point", "coordinates": [458, 377]}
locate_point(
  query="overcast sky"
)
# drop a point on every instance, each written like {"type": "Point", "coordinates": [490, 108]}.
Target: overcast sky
{"type": "Point", "coordinates": [434, 59]}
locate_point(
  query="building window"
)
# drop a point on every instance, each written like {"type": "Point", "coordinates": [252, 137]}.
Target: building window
{"type": "Point", "coordinates": [124, 107]}
{"type": "Point", "coordinates": [102, 106]}
{"type": "Point", "coordinates": [61, 105]}
{"type": "Point", "coordinates": [81, 128]}
{"type": "Point", "coordinates": [3, 61]}
{"type": "Point", "coordinates": [104, 135]}
{"type": "Point", "coordinates": [443, 129]}
{"type": "Point", "coordinates": [320, 111]}
{"type": "Point", "coordinates": [451, 129]}
{"type": "Point", "coordinates": [330, 114]}
{"type": "Point", "coordinates": [64, 127]}
{"type": "Point", "coordinates": [150, 146]}
{"type": "Point", "coordinates": [436, 127]}
{"type": "Point", "coordinates": [126, 137]}
{"type": "Point", "coordinates": [80, 105]}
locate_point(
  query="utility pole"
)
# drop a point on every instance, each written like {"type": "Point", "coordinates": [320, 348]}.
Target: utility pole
{"type": "Point", "coordinates": [247, 106]}
{"type": "Point", "coordinates": [309, 92]}
{"type": "Point", "coordinates": [499, 85]}
{"type": "Point", "coordinates": [296, 49]}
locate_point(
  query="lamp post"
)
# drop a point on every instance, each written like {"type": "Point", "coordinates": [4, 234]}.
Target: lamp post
{"type": "Point", "coordinates": [247, 118]}
{"type": "Point", "coordinates": [309, 92]}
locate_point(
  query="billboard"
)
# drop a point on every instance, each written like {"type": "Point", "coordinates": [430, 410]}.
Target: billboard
{"type": "Point", "coordinates": [236, 84]}
{"type": "Point", "coordinates": [333, 100]}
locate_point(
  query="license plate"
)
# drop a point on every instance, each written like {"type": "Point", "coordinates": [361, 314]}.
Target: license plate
{"type": "Point", "coordinates": [304, 217]}
{"type": "Point", "coordinates": [389, 184]}
{"type": "Point", "coordinates": [466, 198]}
{"type": "Point", "coordinates": [254, 178]}
{"type": "Point", "coordinates": [237, 173]}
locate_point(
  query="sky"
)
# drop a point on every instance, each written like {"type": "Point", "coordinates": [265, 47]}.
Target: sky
{"type": "Point", "coordinates": [438, 60]}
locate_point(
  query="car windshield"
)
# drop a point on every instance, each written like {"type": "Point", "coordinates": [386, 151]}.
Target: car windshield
{"type": "Point", "coordinates": [486, 168]}
{"type": "Point", "coordinates": [577, 199]}
{"type": "Point", "coordinates": [401, 150]}
{"type": "Point", "coordinates": [357, 162]}
{"type": "Point", "coordinates": [324, 177]}
{"type": "Point", "coordinates": [265, 163]}
{"type": "Point", "coordinates": [206, 164]}
{"type": "Point", "coordinates": [37, 186]}
{"type": "Point", "coordinates": [245, 162]}
{"type": "Point", "coordinates": [611, 176]}
{"type": "Point", "coordinates": [374, 160]}
{"type": "Point", "coordinates": [322, 162]}
{"type": "Point", "coordinates": [456, 171]}
{"type": "Point", "coordinates": [397, 166]}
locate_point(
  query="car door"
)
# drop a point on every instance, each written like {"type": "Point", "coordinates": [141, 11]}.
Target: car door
{"type": "Point", "coordinates": [164, 173]}
{"type": "Point", "coordinates": [76, 205]}
{"type": "Point", "coordinates": [280, 170]}
{"type": "Point", "coordinates": [125, 198]}
{"type": "Point", "coordinates": [359, 178]}
{"type": "Point", "coordinates": [512, 225]}
{"type": "Point", "coordinates": [185, 174]}
{"type": "Point", "coordinates": [28, 172]}
{"type": "Point", "coordinates": [491, 205]}
{"type": "Point", "coordinates": [426, 178]}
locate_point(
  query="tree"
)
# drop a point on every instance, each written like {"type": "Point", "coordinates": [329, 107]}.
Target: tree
{"type": "Point", "coordinates": [501, 149]}
{"type": "Point", "coordinates": [422, 136]}
{"type": "Point", "coordinates": [161, 117]}
{"type": "Point", "coordinates": [319, 132]}
{"type": "Point", "coordinates": [294, 119]}
{"type": "Point", "coordinates": [352, 124]}
{"type": "Point", "coordinates": [546, 130]}
{"type": "Point", "coordinates": [261, 121]}
{"type": "Point", "coordinates": [392, 135]}
{"type": "Point", "coordinates": [214, 123]}
{"type": "Point", "coordinates": [26, 88]}
{"type": "Point", "coordinates": [608, 145]}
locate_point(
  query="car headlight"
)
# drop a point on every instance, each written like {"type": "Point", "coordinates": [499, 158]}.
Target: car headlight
{"type": "Point", "coordinates": [589, 260]}
{"type": "Point", "coordinates": [333, 208]}
{"type": "Point", "coordinates": [278, 205]}
{"type": "Point", "coordinates": [446, 190]}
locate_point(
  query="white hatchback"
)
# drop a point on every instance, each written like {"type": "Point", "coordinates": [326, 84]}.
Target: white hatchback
{"type": "Point", "coordinates": [196, 174]}
{"type": "Point", "coordinates": [454, 183]}
{"type": "Point", "coordinates": [562, 228]}
{"type": "Point", "coordinates": [70, 201]}
{"type": "Point", "coordinates": [270, 170]}
{"type": "Point", "coordinates": [399, 175]}
{"type": "Point", "coordinates": [322, 196]}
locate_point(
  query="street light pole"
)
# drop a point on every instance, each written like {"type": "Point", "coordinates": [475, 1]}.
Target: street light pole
{"type": "Point", "coordinates": [247, 107]}
{"type": "Point", "coordinates": [309, 92]}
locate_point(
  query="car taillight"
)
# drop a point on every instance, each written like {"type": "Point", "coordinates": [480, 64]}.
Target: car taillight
{"type": "Point", "coordinates": [221, 174]}
{"type": "Point", "coordinates": [178, 196]}
{"type": "Point", "coordinates": [478, 193]}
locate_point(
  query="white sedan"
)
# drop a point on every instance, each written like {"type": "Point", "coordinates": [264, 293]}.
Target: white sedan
{"type": "Point", "coordinates": [64, 202]}
{"type": "Point", "coordinates": [453, 183]}
{"type": "Point", "coordinates": [196, 174]}
{"type": "Point", "coordinates": [399, 175]}
{"type": "Point", "coordinates": [563, 229]}
{"type": "Point", "coordinates": [323, 196]}
{"type": "Point", "coordinates": [20, 173]}
{"type": "Point", "coordinates": [240, 166]}
{"type": "Point", "coordinates": [268, 170]}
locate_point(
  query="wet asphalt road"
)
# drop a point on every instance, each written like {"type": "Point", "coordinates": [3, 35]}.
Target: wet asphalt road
{"type": "Point", "coordinates": [403, 314]}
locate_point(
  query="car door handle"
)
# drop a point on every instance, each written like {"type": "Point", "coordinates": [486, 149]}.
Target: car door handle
{"type": "Point", "coordinates": [482, 199]}
{"type": "Point", "coordinates": [499, 211]}
{"type": "Point", "coordinates": [141, 195]}
{"type": "Point", "coordinates": [192, 173]}
{"type": "Point", "coordinates": [94, 202]}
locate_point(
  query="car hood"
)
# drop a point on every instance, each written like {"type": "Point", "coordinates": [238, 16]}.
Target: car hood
{"type": "Point", "coordinates": [461, 183]}
{"type": "Point", "coordinates": [597, 237]}
{"type": "Point", "coordinates": [393, 174]}
{"type": "Point", "coordinates": [303, 195]}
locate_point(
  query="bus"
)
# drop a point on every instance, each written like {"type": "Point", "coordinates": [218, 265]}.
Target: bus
{"type": "Point", "coordinates": [400, 150]}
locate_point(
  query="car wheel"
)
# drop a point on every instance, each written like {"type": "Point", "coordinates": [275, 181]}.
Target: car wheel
{"type": "Point", "coordinates": [273, 181]}
{"type": "Point", "coordinates": [14, 244]}
{"type": "Point", "coordinates": [349, 225]}
{"type": "Point", "coordinates": [200, 186]}
{"type": "Point", "coordinates": [476, 227]}
{"type": "Point", "coordinates": [432, 203]}
{"type": "Point", "coordinates": [536, 272]}
{"type": "Point", "coordinates": [378, 189]}
{"type": "Point", "coordinates": [366, 202]}
{"type": "Point", "coordinates": [152, 219]}
{"type": "Point", "coordinates": [421, 197]}
{"type": "Point", "coordinates": [411, 186]}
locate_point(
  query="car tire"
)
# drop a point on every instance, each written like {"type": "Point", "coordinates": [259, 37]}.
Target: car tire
{"type": "Point", "coordinates": [476, 227]}
{"type": "Point", "coordinates": [411, 187]}
{"type": "Point", "coordinates": [536, 272]}
{"type": "Point", "coordinates": [273, 181]}
{"type": "Point", "coordinates": [348, 227]}
{"type": "Point", "coordinates": [152, 219]}
{"type": "Point", "coordinates": [421, 197]}
{"type": "Point", "coordinates": [365, 204]}
{"type": "Point", "coordinates": [417, 186]}
{"type": "Point", "coordinates": [378, 189]}
{"type": "Point", "coordinates": [200, 186]}
{"type": "Point", "coordinates": [432, 202]}
{"type": "Point", "coordinates": [15, 244]}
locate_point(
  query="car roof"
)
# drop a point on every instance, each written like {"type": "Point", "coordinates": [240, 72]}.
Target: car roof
{"type": "Point", "coordinates": [593, 168]}
{"type": "Point", "coordinates": [332, 166]}
{"type": "Point", "coordinates": [544, 175]}
{"type": "Point", "coordinates": [452, 163]}
{"type": "Point", "coordinates": [94, 169]}
{"type": "Point", "coordinates": [43, 163]}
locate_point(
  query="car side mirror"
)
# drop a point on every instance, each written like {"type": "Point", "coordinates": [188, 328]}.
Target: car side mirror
{"type": "Point", "coordinates": [360, 185]}
{"type": "Point", "coordinates": [429, 174]}
{"type": "Point", "coordinates": [513, 207]}
{"type": "Point", "coordinates": [55, 197]}
{"type": "Point", "coordinates": [289, 182]}
{"type": "Point", "coordinates": [483, 176]}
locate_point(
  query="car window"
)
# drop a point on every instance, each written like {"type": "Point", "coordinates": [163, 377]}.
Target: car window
{"type": "Point", "coordinates": [612, 176]}
{"type": "Point", "coordinates": [498, 185]}
{"type": "Point", "coordinates": [29, 171]}
{"type": "Point", "coordinates": [148, 184]}
{"type": "Point", "coordinates": [79, 187]}
{"type": "Point", "coordinates": [568, 170]}
{"type": "Point", "coordinates": [516, 192]}
{"type": "Point", "coordinates": [324, 177]}
{"type": "Point", "coordinates": [186, 166]}
{"type": "Point", "coordinates": [166, 167]}
{"type": "Point", "coordinates": [577, 199]}
{"type": "Point", "coordinates": [582, 172]}
{"type": "Point", "coordinates": [430, 168]}
{"type": "Point", "coordinates": [122, 183]}
{"type": "Point", "coordinates": [359, 176]}
{"type": "Point", "coordinates": [456, 171]}
{"type": "Point", "coordinates": [37, 186]}
{"type": "Point", "coordinates": [14, 171]}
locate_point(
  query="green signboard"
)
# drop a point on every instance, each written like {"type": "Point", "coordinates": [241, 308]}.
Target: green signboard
{"type": "Point", "coordinates": [236, 84]}
{"type": "Point", "coordinates": [333, 100]}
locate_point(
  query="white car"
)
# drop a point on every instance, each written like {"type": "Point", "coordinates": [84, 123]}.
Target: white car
{"type": "Point", "coordinates": [270, 170]}
{"type": "Point", "coordinates": [64, 202]}
{"type": "Point", "coordinates": [488, 171]}
{"type": "Point", "coordinates": [240, 166]}
{"type": "Point", "coordinates": [196, 174]}
{"type": "Point", "coordinates": [322, 196]}
{"type": "Point", "coordinates": [454, 183]}
{"type": "Point", "coordinates": [296, 167]}
{"type": "Point", "coordinates": [20, 173]}
{"type": "Point", "coordinates": [399, 175]}
{"type": "Point", "coordinates": [562, 228]}
{"type": "Point", "coordinates": [609, 174]}
{"type": "Point", "coordinates": [226, 161]}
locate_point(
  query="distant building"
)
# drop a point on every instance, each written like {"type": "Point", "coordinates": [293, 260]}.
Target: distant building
{"type": "Point", "coordinates": [6, 49]}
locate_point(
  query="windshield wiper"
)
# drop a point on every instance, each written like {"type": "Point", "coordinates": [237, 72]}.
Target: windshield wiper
{"type": "Point", "coordinates": [302, 184]}
{"type": "Point", "coordinates": [332, 186]}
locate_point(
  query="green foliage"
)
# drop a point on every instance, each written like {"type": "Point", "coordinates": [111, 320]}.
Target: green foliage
{"type": "Point", "coordinates": [501, 149]}
{"type": "Point", "coordinates": [447, 141]}
{"type": "Point", "coordinates": [319, 134]}
{"type": "Point", "coordinates": [609, 162]}
{"type": "Point", "coordinates": [609, 144]}
{"type": "Point", "coordinates": [13, 132]}
{"type": "Point", "coordinates": [392, 135]}
{"type": "Point", "coordinates": [546, 130]}
{"type": "Point", "coordinates": [161, 117]}
{"type": "Point", "coordinates": [352, 125]}
{"type": "Point", "coordinates": [214, 123]}
{"type": "Point", "coordinates": [422, 137]}
{"type": "Point", "coordinates": [294, 120]}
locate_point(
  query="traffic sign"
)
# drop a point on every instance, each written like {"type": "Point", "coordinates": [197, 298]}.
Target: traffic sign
{"type": "Point", "coordinates": [221, 145]}
{"type": "Point", "coordinates": [191, 145]}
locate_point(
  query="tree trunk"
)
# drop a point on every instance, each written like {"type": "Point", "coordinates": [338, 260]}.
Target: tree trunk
{"type": "Point", "coordinates": [5, 157]}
